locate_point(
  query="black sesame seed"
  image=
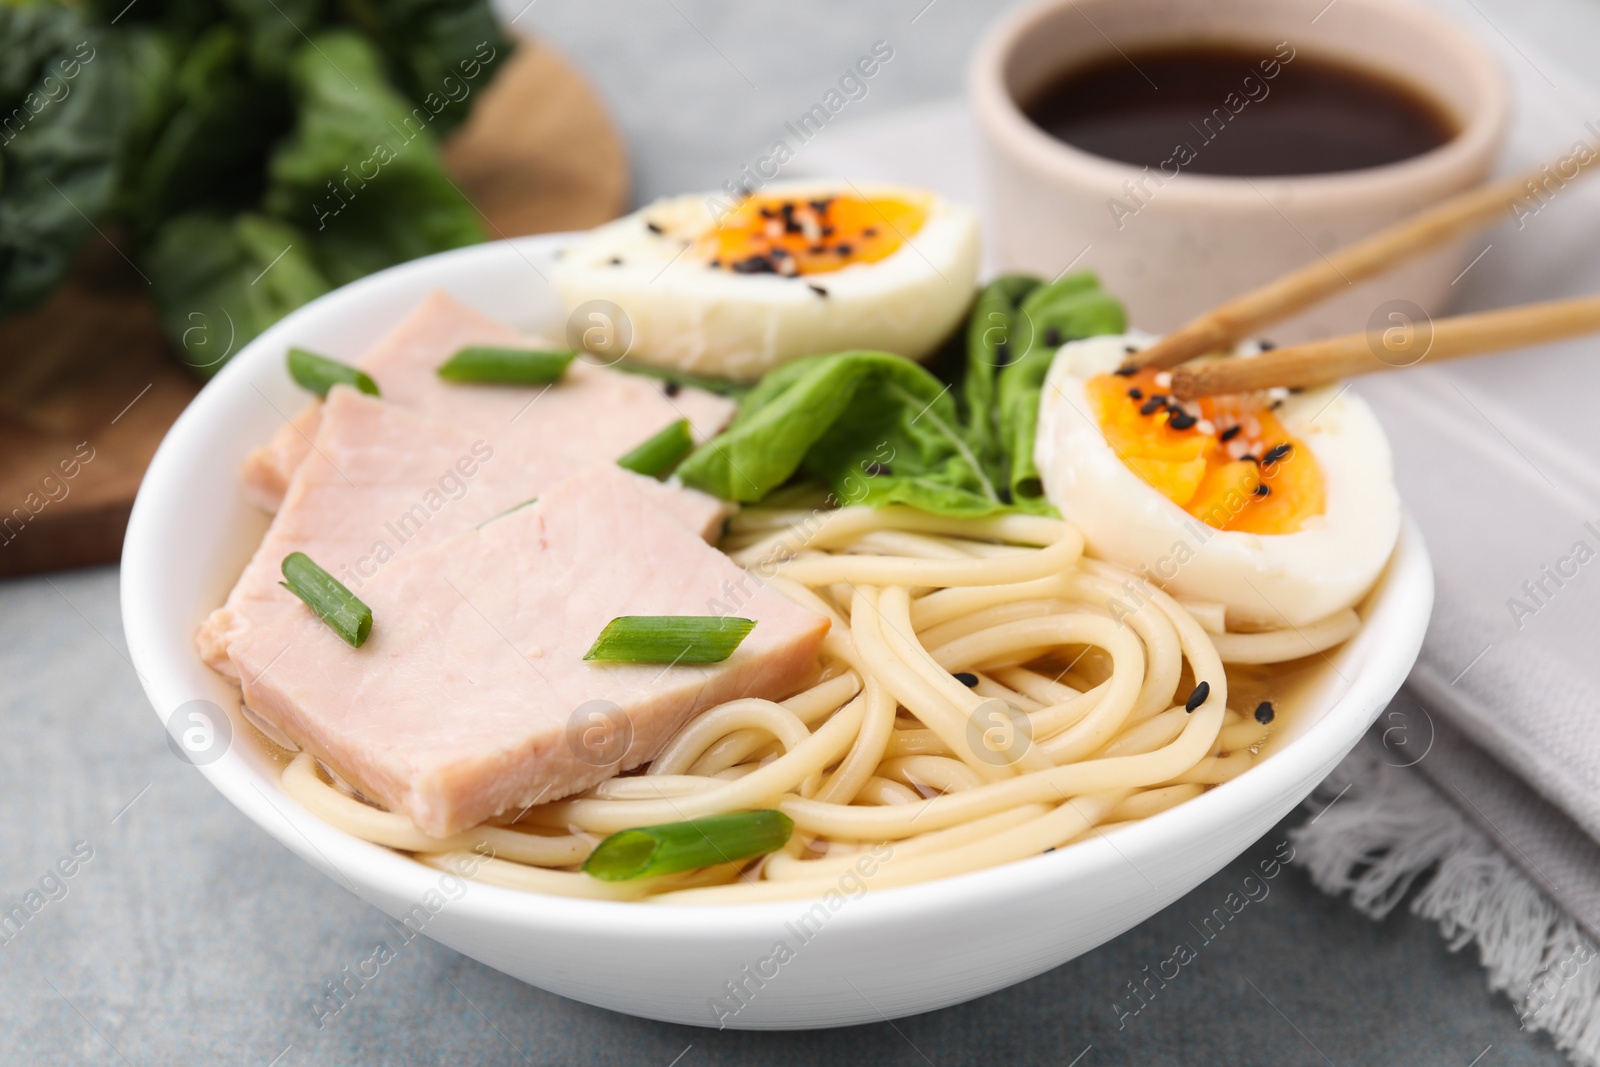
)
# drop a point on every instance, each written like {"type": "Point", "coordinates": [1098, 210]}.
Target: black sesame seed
{"type": "Point", "coordinates": [821, 206]}
{"type": "Point", "coordinates": [716, 262]}
{"type": "Point", "coordinates": [1248, 458]}
{"type": "Point", "coordinates": [870, 231]}
{"type": "Point", "coordinates": [1276, 404]}
{"type": "Point", "coordinates": [1197, 697]}
{"type": "Point", "coordinates": [1153, 405]}
{"type": "Point", "coordinates": [1127, 370]}
{"type": "Point", "coordinates": [1052, 336]}
{"type": "Point", "coordinates": [1130, 349]}
{"type": "Point", "coordinates": [653, 228]}
{"type": "Point", "coordinates": [791, 226]}
{"type": "Point", "coordinates": [1264, 712]}
{"type": "Point", "coordinates": [967, 678]}
{"type": "Point", "coordinates": [1263, 489]}
{"type": "Point", "coordinates": [616, 261]}
{"type": "Point", "coordinates": [768, 213]}
{"type": "Point", "coordinates": [1182, 420]}
{"type": "Point", "coordinates": [1266, 346]}
{"type": "Point", "coordinates": [1275, 453]}
{"type": "Point", "coordinates": [1136, 393]}
{"type": "Point", "coordinates": [843, 249]}
{"type": "Point", "coordinates": [756, 264]}
{"type": "Point", "coordinates": [827, 231]}
{"type": "Point", "coordinates": [671, 388]}
{"type": "Point", "coordinates": [1230, 433]}
{"type": "Point", "coordinates": [819, 290]}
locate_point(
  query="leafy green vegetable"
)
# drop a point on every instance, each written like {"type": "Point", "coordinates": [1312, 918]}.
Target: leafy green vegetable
{"type": "Point", "coordinates": [256, 153]}
{"type": "Point", "coordinates": [355, 186]}
{"type": "Point", "coordinates": [437, 51]}
{"type": "Point", "coordinates": [1067, 309]}
{"type": "Point", "coordinates": [221, 281]}
{"type": "Point", "coordinates": [360, 173]}
{"type": "Point", "coordinates": [62, 121]}
{"type": "Point", "coordinates": [878, 429]}
{"type": "Point", "coordinates": [995, 333]}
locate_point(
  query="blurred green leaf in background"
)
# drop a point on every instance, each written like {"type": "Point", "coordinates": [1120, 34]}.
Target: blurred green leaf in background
{"type": "Point", "coordinates": [256, 153]}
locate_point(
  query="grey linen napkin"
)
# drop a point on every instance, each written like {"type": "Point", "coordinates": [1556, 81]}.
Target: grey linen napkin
{"type": "Point", "coordinates": [1477, 796]}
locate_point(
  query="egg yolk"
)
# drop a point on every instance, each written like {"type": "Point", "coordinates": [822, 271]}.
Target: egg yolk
{"type": "Point", "coordinates": [1227, 460]}
{"type": "Point", "coordinates": [801, 236]}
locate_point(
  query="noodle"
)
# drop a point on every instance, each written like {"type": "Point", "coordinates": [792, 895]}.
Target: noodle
{"type": "Point", "coordinates": [890, 763]}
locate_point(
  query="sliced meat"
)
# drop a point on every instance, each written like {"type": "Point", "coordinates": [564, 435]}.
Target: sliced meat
{"type": "Point", "coordinates": [381, 482]}
{"type": "Point", "coordinates": [471, 698]}
{"type": "Point", "coordinates": [592, 414]}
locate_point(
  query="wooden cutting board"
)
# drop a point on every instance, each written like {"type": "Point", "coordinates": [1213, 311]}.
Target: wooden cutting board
{"type": "Point", "coordinates": [89, 384]}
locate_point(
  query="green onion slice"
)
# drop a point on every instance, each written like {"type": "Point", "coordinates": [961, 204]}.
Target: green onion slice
{"type": "Point", "coordinates": [505, 366]}
{"type": "Point", "coordinates": [681, 379]}
{"type": "Point", "coordinates": [648, 851]}
{"type": "Point", "coordinates": [319, 373]}
{"type": "Point", "coordinates": [662, 452]}
{"type": "Point", "coordinates": [324, 594]}
{"type": "Point", "coordinates": [669, 639]}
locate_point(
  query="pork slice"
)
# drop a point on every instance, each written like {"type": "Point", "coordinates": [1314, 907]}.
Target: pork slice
{"type": "Point", "coordinates": [471, 697]}
{"type": "Point", "coordinates": [381, 482]}
{"type": "Point", "coordinates": [592, 414]}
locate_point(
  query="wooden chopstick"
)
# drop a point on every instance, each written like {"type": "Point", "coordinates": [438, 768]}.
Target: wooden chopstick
{"type": "Point", "coordinates": [1223, 327]}
{"type": "Point", "coordinates": [1324, 362]}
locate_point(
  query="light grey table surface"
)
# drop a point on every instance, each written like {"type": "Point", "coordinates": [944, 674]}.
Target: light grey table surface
{"type": "Point", "coordinates": [191, 937]}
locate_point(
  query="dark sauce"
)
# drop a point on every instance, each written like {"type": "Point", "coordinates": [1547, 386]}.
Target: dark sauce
{"type": "Point", "coordinates": [1228, 111]}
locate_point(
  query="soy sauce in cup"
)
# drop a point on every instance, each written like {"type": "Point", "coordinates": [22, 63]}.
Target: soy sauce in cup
{"type": "Point", "coordinates": [1226, 110]}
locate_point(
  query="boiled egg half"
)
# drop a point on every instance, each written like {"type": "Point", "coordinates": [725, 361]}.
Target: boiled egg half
{"type": "Point", "coordinates": [736, 289]}
{"type": "Point", "coordinates": [1281, 508]}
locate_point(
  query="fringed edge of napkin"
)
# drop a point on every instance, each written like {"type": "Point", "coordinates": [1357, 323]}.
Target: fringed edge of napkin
{"type": "Point", "coordinates": [1383, 831]}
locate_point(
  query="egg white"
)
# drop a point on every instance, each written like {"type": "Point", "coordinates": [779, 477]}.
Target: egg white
{"type": "Point", "coordinates": [686, 315]}
{"type": "Point", "coordinates": [1271, 581]}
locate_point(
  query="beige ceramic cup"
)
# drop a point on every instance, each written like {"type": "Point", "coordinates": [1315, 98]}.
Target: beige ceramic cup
{"type": "Point", "coordinates": [1192, 241]}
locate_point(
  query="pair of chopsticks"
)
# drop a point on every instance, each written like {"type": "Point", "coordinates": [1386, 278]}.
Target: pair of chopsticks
{"type": "Point", "coordinates": [1404, 344]}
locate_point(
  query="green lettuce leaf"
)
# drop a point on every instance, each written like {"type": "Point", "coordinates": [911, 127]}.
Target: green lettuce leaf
{"type": "Point", "coordinates": [360, 172]}
{"type": "Point", "coordinates": [875, 427]}
{"type": "Point", "coordinates": [63, 119]}
{"type": "Point", "coordinates": [220, 281]}
{"type": "Point", "coordinates": [878, 429]}
{"type": "Point", "coordinates": [1067, 309]}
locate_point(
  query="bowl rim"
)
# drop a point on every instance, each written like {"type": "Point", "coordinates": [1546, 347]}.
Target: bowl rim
{"type": "Point", "coordinates": [1398, 611]}
{"type": "Point", "coordinates": [1000, 117]}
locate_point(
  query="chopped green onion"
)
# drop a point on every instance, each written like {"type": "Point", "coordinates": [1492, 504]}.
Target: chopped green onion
{"type": "Point", "coordinates": [505, 366]}
{"type": "Point", "coordinates": [662, 452]}
{"type": "Point", "coordinates": [324, 594]}
{"type": "Point", "coordinates": [648, 851]}
{"type": "Point", "coordinates": [319, 373]}
{"type": "Point", "coordinates": [680, 378]}
{"type": "Point", "coordinates": [669, 639]}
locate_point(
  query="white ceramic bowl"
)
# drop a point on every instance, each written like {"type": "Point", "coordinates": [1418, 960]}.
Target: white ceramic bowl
{"type": "Point", "coordinates": [888, 952]}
